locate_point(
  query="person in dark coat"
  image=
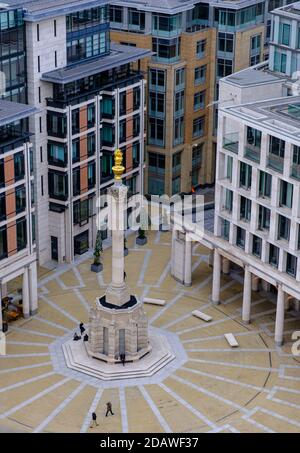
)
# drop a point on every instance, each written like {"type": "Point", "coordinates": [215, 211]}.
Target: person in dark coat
{"type": "Point", "coordinates": [109, 409]}
{"type": "Point", "coordinates": [94, 420]}
{"type": "Point", "coordinates": [76, 337]}
{"type": "Point", "coordinates": [86, 337]}
{"type": "Point", "coordinates": [82, 328]}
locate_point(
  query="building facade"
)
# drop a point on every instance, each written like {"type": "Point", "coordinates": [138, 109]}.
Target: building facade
{"type": "Point", "coordinates": [91, 100]}
{"type": "Point", "coordinates": [257, 217]}
{"type": "Point", "coordinates": [194, 44]}
{"type": "Point", "coordinates": [17, 205]}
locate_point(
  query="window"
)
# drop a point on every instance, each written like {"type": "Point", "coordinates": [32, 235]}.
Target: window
{"type": "Point", "coordinates": [225, 42]}
{"type": "Point", "coordinates": [157, 78]}
{"type": "Point", "coordinates": [265, 184]}
{"type": "Point", "coordinates": [178, 130]}
{"type": "Point", "coordinates": [136, 125]}
{"type": "Point", "coordinates": [228, 200]}
{"type": "Point", "coordinates": [240, 237]}
{"type": "Point", "coordinates": [157, 103]}
{"type": "Point", "coordinates": [107, 161]}
{"type": "Point", "coordinates": [255, 59]}
{"type": "Point", "coordinates": [55, 58]}
{"type": "Point", "coordinates": [156, 131]}
{"type": "Point", "coordinates": [276, 147]}
{"type": "Point", "coordinates": [21, 234]}
{"type": "Point", "coordinates": [136, 19]}
{"type": "Point", "coordinates": [2, 207]}
{"type": "Point", "coordinates": [3, 243]}
{"type": "Point", "coordinates": [40, 97]}
{"type": "Point", "coordinates": [284, 34]}
{"type": "Point", "coordinates": [56, 124]}
{"type": "Point", "coordinates": [39, 63]}
{"type": "Point", "coordinates": [224, 67]}
{"type": "Point", "coordinates": [198, 127]}
{"type": "Point", "coordinates": [91, 144]}
{"type": "Point", "coordinates": [156, 163]}
{"type": "Point", "coordinates": [256, 246]}
{"type": "Point", "coordinates": [19, 166]}
{"type": "Point", "coordinates": [136, 98]}
{"type": "Point", "coordinates": [37, 32]}
{"type": "Point", "coordinates": [291, 265]}
{"type": "Point", "coordinates": [54, 28]}
{"type": "Point", "coordinates": [280, 61]}
{"type": "Point", "coordinates": [197, 152]}
{"type": "Point", "coordinates": [284, 226]}
{"type": "Point", "coordinates": [179, 77]}
{"type": "Point", "coordinates": [245, 176]}
{"type": "Point", "coordinates": [57, 154]}
{"type": "Point", "coordinates": [273, 255]}
{"type": "Point", "coordinates": [200, 75]}
{"type": "Point", "coordinates": [166, 24]}
{"type": "Point", "coordinates": [200, 48]}
{"type": "Point", "coordinates": [90, 116]}
{"type": "Point", "coordinates": [122, 132]}
{"type": "Point", "coordinates": [87, 46]}
{"type": "Point", "coordinates": [253, 137]}
{"type": "Point", "coordinates": [179, 102]}
{"type": "Point", "coordinates": [286, 194]}
{"type": "Point", "coordinates": [245, 209]}
{"type": "Point", "coordinates": [82, 210]}
{"type": "Point", "coordinates": [135, 154]}
{"type": "Point", "coordinates": [264, 216]}
{"type": "Point", "coordinates": [229, 168]}
{"type": "Point", "coordinates": [199, 100]}
{"type": "Point", "coordinates": [75, 121]}
{"type": "Point", "coordinates": [116, 14]}
{"type": "Point", "coordinates": [58, 185]}
{"type": "Point", "coordinates": [40, 122]}
{"type": "Point", "coordinates": [42, 185]}
{"type": "Point", "coordinates": [166, 49]}
{"type": "Point", "coordinates": [91, 175]}
{"type": "Point", "coordinates": [225, 229]}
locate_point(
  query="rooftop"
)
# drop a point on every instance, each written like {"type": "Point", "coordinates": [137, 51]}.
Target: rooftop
{"type": "Point", "coordinates": [13, 111]}
{"type": "Point", "coordinates": [292, 10]}
{"type": "Point", "coordinates": [118, 56]}
{"type": "Point", "coordinates": [277, 115]}
{"type": "Point", "coordinates": [44, 9]}
{"type": "Point", "coordinates": [255, 75]}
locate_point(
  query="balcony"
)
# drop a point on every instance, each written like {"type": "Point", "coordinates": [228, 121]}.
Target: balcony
{"type": "Point", "coordinates": [252, 153]}
{"type": "Point", "coordinates": [231, 142]}
{"type": "Point", "coordinates": [275, 162]}
{"type": "Point", "coordinates": [295, 171]}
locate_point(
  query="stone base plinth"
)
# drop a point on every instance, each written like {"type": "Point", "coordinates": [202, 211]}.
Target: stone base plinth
{"type": "Point", "coordinates": [77, 358]}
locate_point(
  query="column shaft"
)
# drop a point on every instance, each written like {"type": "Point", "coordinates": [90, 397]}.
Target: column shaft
{"type": "Point", "coordinates": [246, 297]}
{"type": "Point", "coordinates": [216, 278]}
{"type": "Point", "coordinates": [25, 294]}
{"type": "Point", "coordinates": [33, 289]}
{"type": "Point", "coordinates": [279, 324]}
{"type": "Point", "coordinates": [188, 263]}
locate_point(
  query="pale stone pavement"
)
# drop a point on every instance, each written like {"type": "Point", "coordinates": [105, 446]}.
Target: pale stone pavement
{"type": "Point", "coordinates": [254, 388]}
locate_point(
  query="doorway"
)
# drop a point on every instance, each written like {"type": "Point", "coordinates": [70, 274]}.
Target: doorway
{"type": "Point", "coordinates": [54, 248]}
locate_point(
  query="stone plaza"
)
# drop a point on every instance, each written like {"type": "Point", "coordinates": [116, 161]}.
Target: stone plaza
{"type": "Point", "coordinates": [207, 387]}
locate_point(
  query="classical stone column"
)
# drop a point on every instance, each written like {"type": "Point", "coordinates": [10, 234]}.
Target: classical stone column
{"type": "Point", "coordinates": [25, 294]}
{"type": "Point", "coordinates": [225, 266]}
{"type": "Point", "coordinates": [211, 258]}
{"type": "Point", "coordinates": [188, 262]}
{"type": "Point", "coordinates": [216, 278]}
{"type": "Point", "coordinates": [246, 296]}
{"type": "Point", "coordinates": [279, 324]}
{"type": "Point", "coordinates": [255, 283]}
{"type": "Point", "coordinates": [33, 289]}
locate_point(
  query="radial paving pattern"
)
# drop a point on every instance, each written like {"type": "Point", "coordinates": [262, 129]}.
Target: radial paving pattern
{"type": "Point", "coordinates": [255, 387]}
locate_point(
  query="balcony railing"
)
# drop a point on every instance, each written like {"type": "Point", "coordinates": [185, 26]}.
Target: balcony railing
{"type": "Point", "coordinates": [252, 153]}
{"type": "Point", "coordinates": [275, 162]}
{"type": "Point", "coordinates": [231, 142]}
{"type": "Point", "coordinates": [295, 171]}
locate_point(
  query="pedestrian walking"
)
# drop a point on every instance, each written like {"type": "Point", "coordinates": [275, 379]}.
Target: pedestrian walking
{"type": "Point", "coordinates": [82, 328]}
{"type": "Point", "coordinates": [109, 409]}
{"type": "Point", "coordinates": [94, 420]}
{"type": "Point", "coordinates": [125, 276]}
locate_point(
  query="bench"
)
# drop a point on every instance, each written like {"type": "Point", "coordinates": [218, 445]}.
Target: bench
{"type": "Point", "coordinates": [149, 300]}
{"type": "Point", "coordinates": [231, 340]}
{"type": "Point", "coordinates": [200, 315]}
